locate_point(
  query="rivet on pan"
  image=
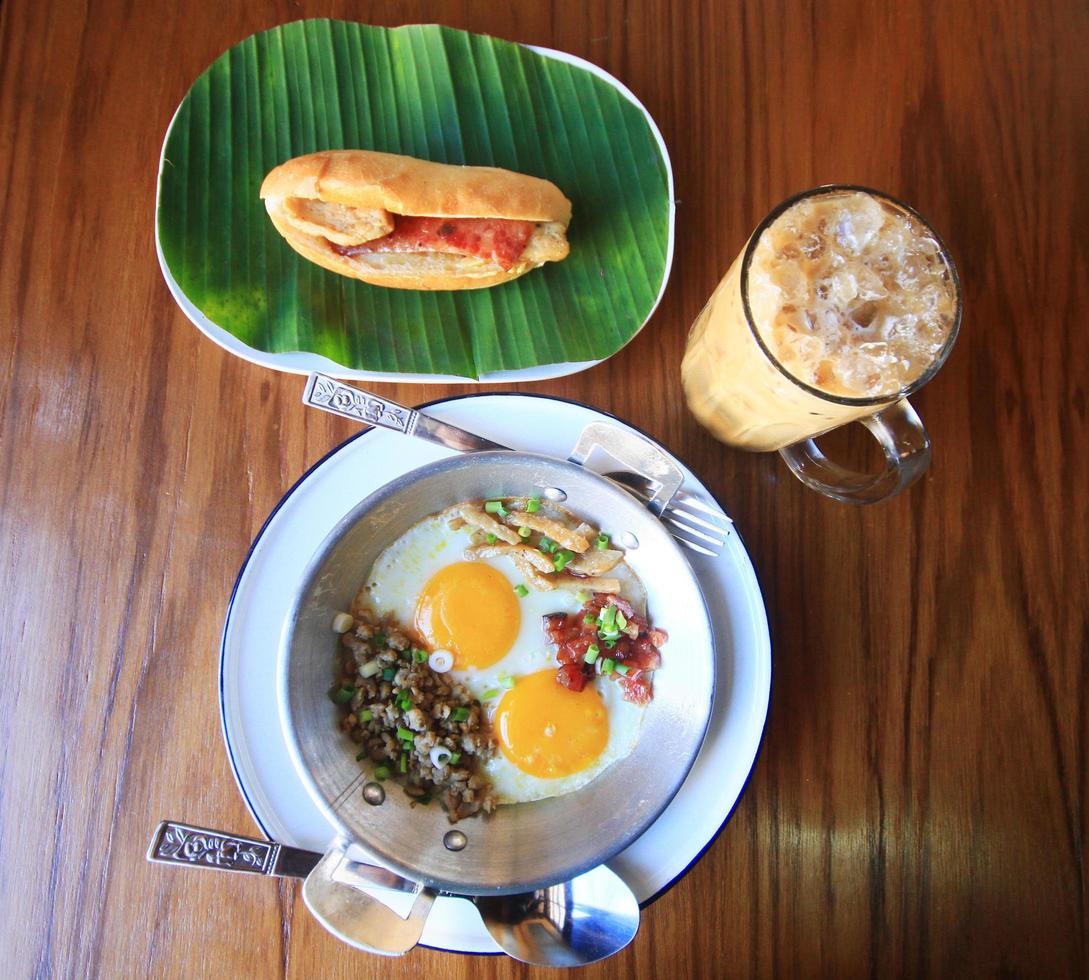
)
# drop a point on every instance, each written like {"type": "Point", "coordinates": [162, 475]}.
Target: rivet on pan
{"type": "Point", "coordinates": [555, 494]}
{"type": "Point", "coordinates": [454, 840]}
{"type": "Point", "coordinates": [374, 794]}
{"type": "Point", "coordinates": [628, 541]}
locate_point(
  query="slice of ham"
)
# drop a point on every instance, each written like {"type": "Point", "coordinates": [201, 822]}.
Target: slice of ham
{"type": "Point", "coordinates": [498, 240]}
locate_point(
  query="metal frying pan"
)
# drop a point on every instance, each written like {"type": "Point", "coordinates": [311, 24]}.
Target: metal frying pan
{"type": "Point", "coordinates": [529, 845]}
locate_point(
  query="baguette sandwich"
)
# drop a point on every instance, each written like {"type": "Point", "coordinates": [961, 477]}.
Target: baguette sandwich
{"type": "Point", "coordinates": [411, 224]}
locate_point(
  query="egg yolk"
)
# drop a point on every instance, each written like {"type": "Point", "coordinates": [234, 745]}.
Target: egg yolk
{"type": "Point", "coordinates": [470, 609]}
{"type": "Point", "coordinates": [548, 730]}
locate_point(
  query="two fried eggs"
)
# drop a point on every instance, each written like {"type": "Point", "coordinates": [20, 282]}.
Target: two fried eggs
{"type": "Point", "coordinates": [551, 740]}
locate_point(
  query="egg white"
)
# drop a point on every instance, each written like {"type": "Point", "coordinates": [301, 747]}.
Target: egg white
{"type": "Point", "coordinates": [392, 588]}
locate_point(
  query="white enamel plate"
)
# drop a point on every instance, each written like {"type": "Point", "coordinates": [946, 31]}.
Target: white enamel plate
{"type": "Point", "coordinates": [272, 574]}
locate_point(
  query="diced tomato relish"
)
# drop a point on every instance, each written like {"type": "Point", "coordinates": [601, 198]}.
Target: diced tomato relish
{"type": "Point", "coordinates": [573, 637]}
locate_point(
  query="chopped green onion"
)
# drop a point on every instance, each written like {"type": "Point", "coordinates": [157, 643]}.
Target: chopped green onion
{"type": "Point", "coordinates": [365, 715]}
{"type": "Point", "coordinates": [490, 693]}
{"type": "Point", "coordinates": [589, 619]}
{"type": "Point", "coordinates": [533, 505]}
{"type": "Point", "coordinates": [455, 759]}
{"type": "Point", "coordinates": [380, 639]}
{"type": "Point", "coordinates": [404, 701]}
{"type": "Point", "coordinates": [622, 668]}
{"type": "Point", "coordinates": [521, 591]}
{"type": "Point", "coordinates": [610, 643]}
{"type": "Point", "coordinates": [404, 734]}
{"type": "Point", "coordinates": [608, 617]}
{"type": "Point", "coordinates": [440, 661]}
{"type": "Point", "coordinates": [342, 695]}
{"type": "Point", "coordinates": [496, 507]}
{"type": "Point", "coordinates": [362, 755]}
{"type": "Point", "coordinates": [582, 596]}
{"type": "Point", "coordinates": [602, 542]}
{"type": "Point", "coordinates": [547, 545]}
{"type": "Point", "coordinates": [505, 680]}
{"type": "Point", "coordinates": [389, 673]}
{"type": "Point", "coordinates": [382, 772]}
{"type": "Point", "coordinates": [608, 665]}
{"type": "Point", "coordinates": [524, 532]}
{"type": "Point", "coordinates": [419, 656]}
{"type": "Point", "coordinates": [490, 538]}
{"type": "Point", "coordinates": [460, 714]}
{"type": "Point", "coordinates": [561, 558]}
{"type": "Point", "coordinates": [592, 653]}
{"type": "Point", "coordinates": [370, 668]}
{"type": "Point", "coordinates": [403, 766]}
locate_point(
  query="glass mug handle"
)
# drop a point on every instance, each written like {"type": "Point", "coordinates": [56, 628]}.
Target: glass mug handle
{"type": "Point", "coordinates": [900, 432]}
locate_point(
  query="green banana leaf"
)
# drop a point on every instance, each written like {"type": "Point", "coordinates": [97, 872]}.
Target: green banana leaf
{"type": "Point", "coordinates": [439, 94]}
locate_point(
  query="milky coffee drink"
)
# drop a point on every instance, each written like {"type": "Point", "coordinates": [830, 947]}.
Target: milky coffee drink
{"type": "Point", "coordinates": [845, 303]}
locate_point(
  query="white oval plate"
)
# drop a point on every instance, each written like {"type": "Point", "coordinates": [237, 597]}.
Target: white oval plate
{"type": "Point", "coordinates": [304, 362]}
{"type": "Point", "coordinates": [273, 572]}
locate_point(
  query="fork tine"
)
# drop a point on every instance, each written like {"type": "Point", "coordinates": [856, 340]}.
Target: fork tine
{"type": "Point", "coordinates": [695, 519]}
{"type": "Point", "coordinates": [694, 503]}
{"type": "Point", "coordinates": [694, 532]}
{"type": "Point", "coordinates": [698, 548]}
{"type": "Point", "coordinates": [678, 514]}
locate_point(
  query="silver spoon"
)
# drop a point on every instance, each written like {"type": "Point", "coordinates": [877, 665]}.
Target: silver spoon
{"type": "Point", "coordinates": [570, 924]}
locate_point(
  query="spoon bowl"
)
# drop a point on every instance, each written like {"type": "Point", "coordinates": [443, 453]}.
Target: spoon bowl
{"type": "Point", "coordinates": [574, 923]}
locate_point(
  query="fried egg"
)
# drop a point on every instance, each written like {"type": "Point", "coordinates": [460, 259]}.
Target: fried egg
{"type": "Point", "coordinates": [551, 740]}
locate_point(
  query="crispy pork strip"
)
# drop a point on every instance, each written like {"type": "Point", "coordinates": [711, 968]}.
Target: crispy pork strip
{"type": "Point", "coordinates": [540, 582]}
{"type": "Point", "coordinates": [609, 585]}
{"type": "Point", "coordinates": [552, 529]}
{"type": "Point", "coordinates": [531, 555]}
{"type": "Point", "coordinates": [595, 562]}
{"type": "Point", "coordinates": [471, 514]}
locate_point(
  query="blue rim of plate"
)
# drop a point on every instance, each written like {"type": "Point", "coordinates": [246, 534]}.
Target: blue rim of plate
{"type": "Point", "coordinates": [283, 500]}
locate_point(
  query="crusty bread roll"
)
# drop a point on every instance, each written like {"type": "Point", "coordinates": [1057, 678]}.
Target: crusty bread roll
{"type": "Point", "coordinates": [326, 203]}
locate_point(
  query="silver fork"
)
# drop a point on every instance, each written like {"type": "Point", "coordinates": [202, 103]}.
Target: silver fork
{"type": "Point", "coordinates": [693, 523]}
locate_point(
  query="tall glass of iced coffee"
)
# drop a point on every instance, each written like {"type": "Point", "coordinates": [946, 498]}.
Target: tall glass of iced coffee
{"type": "Point", "coordinates": [843, 302]}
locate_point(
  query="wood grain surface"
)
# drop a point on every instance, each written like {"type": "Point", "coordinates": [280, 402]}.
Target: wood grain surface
{"type": "Point", "coordinates": [919, 806]}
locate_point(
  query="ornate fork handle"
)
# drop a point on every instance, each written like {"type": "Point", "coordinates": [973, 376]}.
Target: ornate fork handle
{"type": "Point", "coordinates": [361, 406]}
{"type": "Point", "coordinates": [331, 395]}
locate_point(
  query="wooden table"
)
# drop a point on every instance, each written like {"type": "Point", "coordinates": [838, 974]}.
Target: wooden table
{"type": "Point", "coordinates": [919, 805]}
